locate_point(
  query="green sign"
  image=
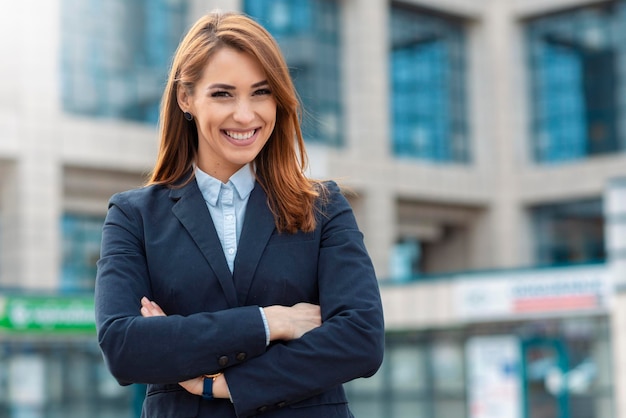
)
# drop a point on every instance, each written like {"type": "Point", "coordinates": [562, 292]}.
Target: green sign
{"type": "Point", "coordinates": [28, 314]}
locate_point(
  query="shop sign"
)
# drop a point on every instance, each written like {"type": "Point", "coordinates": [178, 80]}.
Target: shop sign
{"type": "Point", "coordinates": [46, 314]}
{"type": "Point", "coordinates": [544, 291]}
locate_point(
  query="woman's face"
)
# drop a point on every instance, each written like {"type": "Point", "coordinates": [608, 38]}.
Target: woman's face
{"type": "Point", "coordinates": [234, 111]}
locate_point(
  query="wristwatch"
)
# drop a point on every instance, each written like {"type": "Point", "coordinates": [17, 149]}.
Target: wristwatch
{"type": "Point", "coordinates": [207, 388]}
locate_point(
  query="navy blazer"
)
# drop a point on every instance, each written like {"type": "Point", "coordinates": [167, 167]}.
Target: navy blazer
{"type": "Point", "coordinates": [161, 243]}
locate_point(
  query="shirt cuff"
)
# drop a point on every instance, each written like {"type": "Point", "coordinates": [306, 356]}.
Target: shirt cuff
{"type": "Point", "coordinates": [267, 327]}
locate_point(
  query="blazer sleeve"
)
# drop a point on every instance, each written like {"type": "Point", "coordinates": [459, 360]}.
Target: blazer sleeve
{"type": "Point", "coordinates": [348, 345]}
{"type": "Point", "coordinates": [160, 349]}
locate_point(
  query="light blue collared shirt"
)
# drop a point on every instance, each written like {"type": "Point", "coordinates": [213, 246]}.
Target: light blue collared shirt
{"type": "Point", "coordinates": [227, 205]}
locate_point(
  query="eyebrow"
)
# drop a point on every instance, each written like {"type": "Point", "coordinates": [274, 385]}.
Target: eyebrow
{"type": "Point", "coordinates": [229, 87]}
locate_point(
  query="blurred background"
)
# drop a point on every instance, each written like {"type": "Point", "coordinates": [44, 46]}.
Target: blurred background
{"type": "Point", "coordinates": [484, 144]}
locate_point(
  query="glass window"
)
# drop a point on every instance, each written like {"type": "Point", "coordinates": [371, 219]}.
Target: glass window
{"type": "Point", "coordinates": [447, 366]}
{"type": "Point", "coordinates": [408, 368]}
{"type": "Point", "coordinates": [404, 263]}
{"type": "Point", "coordinates": [571, 232]}
{"type": "Point", "coordinates": [409, 408]}
{"type": "Point", "coordinates": [81, 250]}
{"type": "Point", "coordinates": [428, 87]}
{"type": "Point", "coordinates": [564, 369]}
{"type": "Point", "coordinates": [308, 32]}
{"type": "Point", "coordinates": [367, 409]}
{"type": "Point", "coordinates": [61, 378]}
{"type": "Point", "coordinates": [115, 55]}
{"type": "Point", "coordinates": [420, 377]}
{"type": "Point", "coordinates": [575, 69]}
{"type": "Point", "coordinates": [437, 373]}
{"type": "Point", "coordinates": [450, 408]}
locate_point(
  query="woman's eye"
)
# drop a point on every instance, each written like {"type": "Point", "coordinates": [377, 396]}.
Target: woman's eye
{"type": "Point", "coordinates": [220, 94]}
{"type": "Point", "coordinates": [262, 92]}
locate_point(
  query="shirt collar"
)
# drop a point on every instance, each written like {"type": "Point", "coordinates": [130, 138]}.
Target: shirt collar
{"type": "Point", "coordinates": [243, 182]}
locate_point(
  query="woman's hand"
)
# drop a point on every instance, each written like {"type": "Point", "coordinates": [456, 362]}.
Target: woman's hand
{"type": "Point", "coordinates": [285, 323]}
{"type": "Point", "coordinates": [150, 308]}
{"type": "Point", "coordinates": [194, 386]}
{"type": "Point", "coordinates": [289, 323]}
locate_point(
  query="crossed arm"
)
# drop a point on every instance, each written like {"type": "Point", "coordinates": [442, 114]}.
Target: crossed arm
{"type": "Point", "coordinates": [135, 262]}
{"type": "Point", "coordinates": [284, 322]}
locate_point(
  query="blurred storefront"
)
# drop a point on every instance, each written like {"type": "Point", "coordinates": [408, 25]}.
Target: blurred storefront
{"type": "Point", "coordinates": [517, 343]}
{"type": "Point", "coordinates": [505, 344]}
{"type": "Point", "coordinates": [50, 364]}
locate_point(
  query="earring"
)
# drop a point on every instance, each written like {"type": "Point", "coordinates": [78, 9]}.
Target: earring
{"type": "Point", "coordinates": [188, 116]}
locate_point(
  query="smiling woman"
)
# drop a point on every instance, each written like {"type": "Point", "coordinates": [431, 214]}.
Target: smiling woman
{"type": "Point", "coordinates": [232, 284]}
{"type": "Point", "coordinates": [280, 165]}
{"type": "Point", "coordinates": [234, 110]}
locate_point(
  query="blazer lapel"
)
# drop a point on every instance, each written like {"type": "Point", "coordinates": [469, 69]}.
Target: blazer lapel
{"type": "Point", "coordinates": [257, 229]}
{"type": "Point", "coordinates": [192, 212]}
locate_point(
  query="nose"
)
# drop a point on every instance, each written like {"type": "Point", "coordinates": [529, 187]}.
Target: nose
{"type": "Point", "coordinates": [244, 112]}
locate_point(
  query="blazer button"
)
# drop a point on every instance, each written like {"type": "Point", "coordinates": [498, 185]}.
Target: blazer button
{"type": "Point", "coordinates": [223, 361]}
{"type": "Point", "coordinates": [262, 409]}
{"type": "Point", "coordinates": [241, 356]}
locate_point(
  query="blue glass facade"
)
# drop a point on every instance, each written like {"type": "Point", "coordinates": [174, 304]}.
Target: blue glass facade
{"type": "Point", "coordinates": [308, 32]}
{"type": "Point", "coordinates": [81, 235]}
{"type": "Point", "coordinates": [577, 69]}
{"type": "Point", "coordinates": [569, 232]}
{"type": "Point", "coordinates": [428, 87]}
{"type": "Point", "coordinates": [115, 55]}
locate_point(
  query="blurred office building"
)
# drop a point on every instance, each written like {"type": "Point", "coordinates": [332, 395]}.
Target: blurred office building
{"type": "Point", "coordinates": [483, 143]}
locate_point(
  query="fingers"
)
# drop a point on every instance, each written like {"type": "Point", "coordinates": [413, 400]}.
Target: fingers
{"type": "Point", "coordinates": [291, 322]}
{"type": "Point", "coordinates": [150, 308]}
{"type": "Point", "coordinates": [309, 311]}
{"type": "Point", "coordinates": [193, 386]}
{"type": "Point", "coordinates": [304, 318]}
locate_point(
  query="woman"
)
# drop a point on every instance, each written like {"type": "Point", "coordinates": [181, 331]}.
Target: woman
{"type": "Point", "coordinates": [271, 299]}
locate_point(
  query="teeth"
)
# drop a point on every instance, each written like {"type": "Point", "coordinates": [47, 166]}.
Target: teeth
{"type": "Point", "coordinates": [240, 135]}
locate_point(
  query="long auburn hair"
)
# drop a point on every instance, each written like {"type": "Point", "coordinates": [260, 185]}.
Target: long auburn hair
{"type": "Point", "coordinates": [281, 164]}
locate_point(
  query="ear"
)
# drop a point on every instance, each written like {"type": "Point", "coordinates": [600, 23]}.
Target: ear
{"type": "Point", "coordinates": [183, 98]}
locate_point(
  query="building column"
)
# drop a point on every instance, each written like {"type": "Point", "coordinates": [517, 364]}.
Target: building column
{"type": "Point", "coordinates": [615, 218]}
{"type": "Point", "coordinates": [365, 80]}
{"type": "Point", "coordinates": [380, 227]}
{"type": "Point", "coordinates": [9, 231]}
{"type": "Point", "coordinates": [37, 189]}
{"type": "Point", "coordinates": [365, 87]}
{"type": "Point", "coordinates": [39, 193]}
{"type": "Point", "coordinates": [508, 229]}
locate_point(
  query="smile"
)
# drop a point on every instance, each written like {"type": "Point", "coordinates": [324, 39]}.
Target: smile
{"type": "Point", "coordinates": [240, 136]}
